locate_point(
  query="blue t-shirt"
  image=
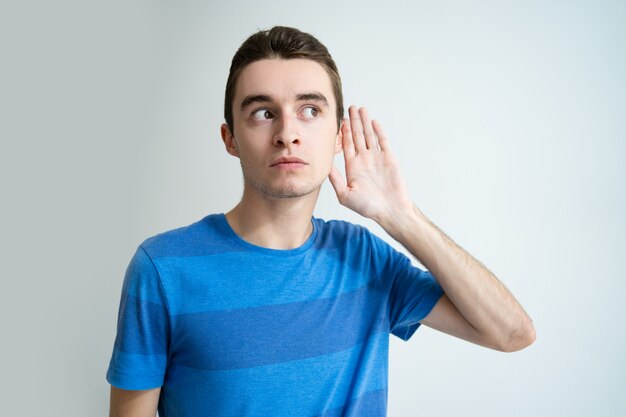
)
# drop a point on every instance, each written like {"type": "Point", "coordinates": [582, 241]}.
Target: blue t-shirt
{"type": "Point", "coordinates": [227, 328]}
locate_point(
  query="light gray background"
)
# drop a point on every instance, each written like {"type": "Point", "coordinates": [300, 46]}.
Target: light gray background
{"type": "Point", "coordinates": [507, 118]}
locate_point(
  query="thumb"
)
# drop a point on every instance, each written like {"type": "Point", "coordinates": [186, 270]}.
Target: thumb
{"type": "Point", "coordinates": [337, 181]}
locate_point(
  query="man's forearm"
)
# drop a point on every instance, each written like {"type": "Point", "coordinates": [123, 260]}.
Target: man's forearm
{"type": "Point", "coordinates": [130, 403]}
{"type": "Point", "coordinates": [476, 293]}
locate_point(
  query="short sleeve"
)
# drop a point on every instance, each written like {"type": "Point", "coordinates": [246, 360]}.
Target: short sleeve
{"type": "Point", "coordinates": [139, 358]}
{"type": "Point", "coordinates": [413, 294]}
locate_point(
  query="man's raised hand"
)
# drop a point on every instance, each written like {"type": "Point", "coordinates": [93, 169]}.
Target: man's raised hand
{"type": "Point", "coordinates": [373, 186]}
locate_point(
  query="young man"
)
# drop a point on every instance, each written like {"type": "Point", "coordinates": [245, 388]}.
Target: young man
{"type": "Point", "coordinates": [269, 311]}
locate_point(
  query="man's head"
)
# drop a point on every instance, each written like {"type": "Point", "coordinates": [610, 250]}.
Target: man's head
{"type": "Point", "coordinates": [284, 43]}
{"type": "Point", "coordinates": [283, 113]}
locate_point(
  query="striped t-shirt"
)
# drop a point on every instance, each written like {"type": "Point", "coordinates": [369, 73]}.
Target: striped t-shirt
{"type": "Point", "coordinates": [227, 328]}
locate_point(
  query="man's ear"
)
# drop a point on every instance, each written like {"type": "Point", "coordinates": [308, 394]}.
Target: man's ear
{"type": "Point", "coordinates": [229, 140]}
{"type": "Point", "coordinates": [339, 140]}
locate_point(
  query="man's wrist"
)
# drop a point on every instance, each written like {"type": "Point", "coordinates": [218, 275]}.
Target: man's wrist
{"type": "Point", "coordinates": [398, 223]}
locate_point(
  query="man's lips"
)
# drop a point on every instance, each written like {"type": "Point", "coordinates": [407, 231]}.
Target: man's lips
{"type": "Point", "coordinates": [288, 160]}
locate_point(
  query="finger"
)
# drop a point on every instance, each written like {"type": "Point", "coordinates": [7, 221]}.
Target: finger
{"type": "Point", "coordinates": [338, 182]}
{"type": "Point", "coordinates": [382, 139]}
{"type": "Point", "coordinates": [346, 140]}
{"type": "Point", "coordinates": [357, 130]}
{"type": "Point", "coordinates": [370, 137]}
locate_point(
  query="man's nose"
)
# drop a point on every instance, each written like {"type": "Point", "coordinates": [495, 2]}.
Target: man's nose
{"type": "Point", "coordinates": [287, 133]}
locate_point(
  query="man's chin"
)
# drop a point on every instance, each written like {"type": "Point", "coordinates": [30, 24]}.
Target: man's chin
{"type": "Point", "coordinates": [289, 193]}
{"type": "Point", "coordinates": [286, 191]}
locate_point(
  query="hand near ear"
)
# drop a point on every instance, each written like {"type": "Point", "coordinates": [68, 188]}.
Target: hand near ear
{"type": "Point", "coordinates": [373, 186]}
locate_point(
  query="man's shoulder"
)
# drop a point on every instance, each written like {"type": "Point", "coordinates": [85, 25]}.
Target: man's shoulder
{"type": "Point", "coordinates": [184, 240]}
{"type": "Point", "coordinates": [344, 231]}
{"type": "Point", "coordinates": [338, 226]}
{"type": "Point", "coordinates": [355, 240]}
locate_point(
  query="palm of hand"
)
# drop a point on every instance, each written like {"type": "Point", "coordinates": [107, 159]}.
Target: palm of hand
{"type": "Point", "coordinates": [373, 186]}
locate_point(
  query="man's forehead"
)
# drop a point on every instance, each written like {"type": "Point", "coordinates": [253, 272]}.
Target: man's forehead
{"type": "Point", "coordinates": [283, 79]}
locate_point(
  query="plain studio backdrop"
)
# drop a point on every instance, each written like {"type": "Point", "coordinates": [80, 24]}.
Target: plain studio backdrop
{"type": "Point", "coordinates": [508, 119]}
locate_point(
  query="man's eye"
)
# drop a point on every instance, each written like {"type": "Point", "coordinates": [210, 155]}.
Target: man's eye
{"type": "Point", "coordinates": [262, 114]}
{"type": "Point", "coordinates": [310, 112]}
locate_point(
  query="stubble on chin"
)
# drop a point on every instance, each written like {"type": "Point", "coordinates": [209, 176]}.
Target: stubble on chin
{"type": "Point", "coordinates": [284, 191]}
{"type": "Point", "coordinates": [289, 190]}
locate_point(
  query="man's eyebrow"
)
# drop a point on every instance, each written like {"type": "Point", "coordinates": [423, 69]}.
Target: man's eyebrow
{"type": "Point", "coordinates": [255, 98]}
{"type": "Point", "coordinates": [313, 96]}
{"type": "Point", "coordinates": [264, 98]}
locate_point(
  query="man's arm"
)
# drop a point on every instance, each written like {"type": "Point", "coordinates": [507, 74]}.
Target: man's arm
{"type": "Point", "coordinates": [127, 403]}
{"type": "Point", "coordinates": [476, 306]}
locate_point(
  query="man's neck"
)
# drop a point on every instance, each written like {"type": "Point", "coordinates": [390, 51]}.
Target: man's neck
{"type": "Point", "coordinates": [276, 223]}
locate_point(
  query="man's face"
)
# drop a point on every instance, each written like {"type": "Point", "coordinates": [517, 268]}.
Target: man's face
{"type": "Point", "coordinates": [285, 125]}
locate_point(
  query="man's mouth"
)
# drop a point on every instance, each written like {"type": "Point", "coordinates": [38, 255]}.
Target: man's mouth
{"type": "Point", "coordinates": [287, 161]}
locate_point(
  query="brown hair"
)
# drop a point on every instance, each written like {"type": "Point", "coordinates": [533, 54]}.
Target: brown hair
{"type": "Point", "coordinates": [285, 43]}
